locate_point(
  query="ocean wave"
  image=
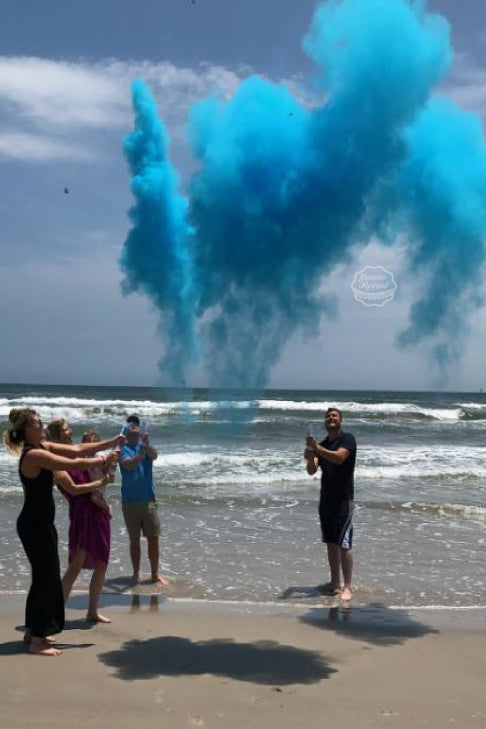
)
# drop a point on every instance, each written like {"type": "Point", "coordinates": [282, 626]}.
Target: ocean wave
{"type": "Point", "coordinates": [216, 465]}
{"type": "Point", "coordinates": [378, 408]}
{"type": "Point", "coordinates": [78, 409]}
{"type": "Point", "coordinates": [462, 511]}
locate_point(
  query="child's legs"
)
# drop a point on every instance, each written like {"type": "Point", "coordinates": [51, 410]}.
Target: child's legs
{"type": "Point", "coordinates": [73, 570]}
{"type": "Point", "coordinates": [95, 588]}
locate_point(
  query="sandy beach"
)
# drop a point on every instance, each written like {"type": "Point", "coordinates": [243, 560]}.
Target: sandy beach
{"type": "Point", "coordinates": [166, 662]}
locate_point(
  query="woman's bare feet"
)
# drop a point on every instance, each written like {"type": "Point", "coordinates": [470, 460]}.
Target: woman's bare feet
{"type": "Point", "coordinates": [97, 618]}
{"type": "Point", "coordinates": [160, 580]}
{"type": "Point", "coordinates": [48, 639]}
{"type": "Point", "coordinates": [39, 647]}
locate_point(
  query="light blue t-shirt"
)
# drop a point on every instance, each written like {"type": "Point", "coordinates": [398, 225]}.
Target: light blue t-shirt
{"type": "Point", "coordinates": [137, 485]}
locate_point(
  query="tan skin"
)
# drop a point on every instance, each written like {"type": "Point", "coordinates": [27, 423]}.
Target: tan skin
{"type": "Point", "coordinates": [75, 566]}
{"type": "Point", "coordinates": [339, 559]}
{"type": "Point", "coordinates": [97, 497]}
{"type": "Point", "coordinates": [130, 464]}
{"type": "Point", "coordinates": [48, 458]}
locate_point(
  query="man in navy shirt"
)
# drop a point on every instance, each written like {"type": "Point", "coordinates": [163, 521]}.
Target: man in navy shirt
{"type": "Point", "coordinates": [336, 456]}
{"type": "Point", "coordinates": [138, 499]}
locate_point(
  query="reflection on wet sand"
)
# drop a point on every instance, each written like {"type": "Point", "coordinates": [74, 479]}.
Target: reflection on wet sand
{"type": "Point", "coordinates": [136, 603]}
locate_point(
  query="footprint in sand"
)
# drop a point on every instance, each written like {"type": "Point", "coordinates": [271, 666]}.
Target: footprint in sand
{"type": "Point", "coordinates": [196, 721]}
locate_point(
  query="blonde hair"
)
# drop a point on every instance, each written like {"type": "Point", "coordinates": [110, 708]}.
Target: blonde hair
{"type": "Point", "coordinates": [54, 430]}
{"type": "Point", "coordinates": [14, 436]}
{"type": "Point", "coordinates": [90, 435]}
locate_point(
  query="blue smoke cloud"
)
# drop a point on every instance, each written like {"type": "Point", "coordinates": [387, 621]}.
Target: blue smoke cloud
{"type": "Point", "coordinates": [285, 192]}
{"type": "Point", "coordinates": [443, 191]}
{"type": "Point", "coordinates": [156, 255]}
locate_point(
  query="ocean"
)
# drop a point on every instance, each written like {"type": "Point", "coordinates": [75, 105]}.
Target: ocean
{"type": "Point", "coordinates": [239, 513]}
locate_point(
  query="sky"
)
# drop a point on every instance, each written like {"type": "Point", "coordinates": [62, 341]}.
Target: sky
{"type": "Point", "coordinates": [65, 107]}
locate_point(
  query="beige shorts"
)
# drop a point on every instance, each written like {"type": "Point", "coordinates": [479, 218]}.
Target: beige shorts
{"type": "Point", "coordinates": [141, 516]}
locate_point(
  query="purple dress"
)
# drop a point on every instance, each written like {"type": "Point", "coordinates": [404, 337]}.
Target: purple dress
{"type": "Point", "coordinates": [89, 525]}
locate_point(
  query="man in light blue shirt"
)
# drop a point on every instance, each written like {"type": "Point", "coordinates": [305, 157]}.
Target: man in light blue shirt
{"type": "Point", "coordinates": [138, 499]}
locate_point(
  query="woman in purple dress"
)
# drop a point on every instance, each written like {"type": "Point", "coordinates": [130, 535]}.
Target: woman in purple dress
{"type": "Point", "coordinates": [89, 529]}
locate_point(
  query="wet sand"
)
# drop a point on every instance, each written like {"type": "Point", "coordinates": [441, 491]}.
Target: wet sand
{"type": "Point", "coordinates": [166, 662]}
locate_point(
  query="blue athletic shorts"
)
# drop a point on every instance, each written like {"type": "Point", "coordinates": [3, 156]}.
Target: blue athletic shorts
{"type": "Point", "coordinates": [337, 522]}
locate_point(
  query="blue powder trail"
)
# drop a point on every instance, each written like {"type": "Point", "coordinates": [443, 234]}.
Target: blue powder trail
{"type": "Point", "coordinates": [156, 257]}
{"type": "Point", "coordinates": [284, 193]}
{"type": "Point", "coordinates": [443, 190]}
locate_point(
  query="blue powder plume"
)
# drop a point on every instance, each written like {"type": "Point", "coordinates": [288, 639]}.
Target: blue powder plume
{"type": "Point", "coordinates": [285, 192]}
{"type": "Point", "coordinates": [443, 191]}
{"type": "Point", "coordinates": [156, 258]}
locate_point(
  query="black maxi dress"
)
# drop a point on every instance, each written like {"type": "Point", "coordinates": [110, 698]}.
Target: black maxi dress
{"type": "Point", "coordinates": [44, 610]}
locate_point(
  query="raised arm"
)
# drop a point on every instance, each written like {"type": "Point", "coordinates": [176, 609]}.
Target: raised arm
{"type": "Point", "coordinates": [130, 464]}
{"type": "Point", "coordinates": [152, 453]}
{"type": "Point", "coordinates": [38, 458]}
{"type": "Point", "coordinates": [337, 457]}
{"type": "Point", "coordinates": [64, 480]}
{"type": "Point", "coordinates": [83, 450]}
{"type": "Point", "coordinates": [312, 463]}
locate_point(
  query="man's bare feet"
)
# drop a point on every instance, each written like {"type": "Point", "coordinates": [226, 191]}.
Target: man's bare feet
{"type": "Point", "coordinates": [160, 580]}
{"type": "Point", "coordinates": [330, 589]}
{"type": "Point", "coordinates": [39, 647]}
{"type": "Point", "coordinates": [97, 618]}
{"type": "Point", "coordinates": [346, 595]}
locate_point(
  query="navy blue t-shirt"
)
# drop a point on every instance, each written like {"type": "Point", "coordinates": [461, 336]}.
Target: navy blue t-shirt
{"type": "Point", "coordinates": [337, 481]}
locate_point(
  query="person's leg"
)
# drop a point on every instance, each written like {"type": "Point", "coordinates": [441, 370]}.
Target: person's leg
{"type": "Point", "coordinates": [334, 559]}
{"type": "Point", "coordinates": [95, 587]}
{"type": "Point", "coordinates": [135, 554]}
{"type": "Point", "coordinates": [72, 572]}
{"type": "Point", "coordinates": [153, 555]}
{"type": "Point", "coordinates": [151, 530]}
{"type": "Point", "coordinates": [329, 537]}
{"type": "Point", "coordinates": [346, 543]}
{"type": "Point", "coordinates": [347, 568]}
{"type": "Point", "coordinates": [133, 522]}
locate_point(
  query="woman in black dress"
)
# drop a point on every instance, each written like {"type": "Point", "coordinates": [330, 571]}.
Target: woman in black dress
{"type": "Point", "coordinates": [44, 611]}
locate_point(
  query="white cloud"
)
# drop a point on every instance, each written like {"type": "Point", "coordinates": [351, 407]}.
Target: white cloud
{"type": "Point", "coordinates": [67, 94]}
{"type": "Point", "coordinates": [66, 98]}
{"type": "Point", "coordinates": [57, 92]}
{"type": "Point", "coordinates": [39, 148]}
{"type": "Point", "coordinates": [46, 102]}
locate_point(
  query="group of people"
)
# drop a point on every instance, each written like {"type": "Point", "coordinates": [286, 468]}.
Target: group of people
{"type": "Point", "coordinates": [82, 472]}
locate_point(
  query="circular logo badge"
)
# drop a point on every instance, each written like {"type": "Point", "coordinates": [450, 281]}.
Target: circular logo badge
{"type": "Point", "coordinates": [373, 286]}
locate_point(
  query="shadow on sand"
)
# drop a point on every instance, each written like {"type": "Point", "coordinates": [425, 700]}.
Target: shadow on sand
{"type": "Point", "coordinates": [14, 647]}
{"type": "Point", "coordinates": [374, 623]}
{"type": "Point", "coordinates": [265, 662]}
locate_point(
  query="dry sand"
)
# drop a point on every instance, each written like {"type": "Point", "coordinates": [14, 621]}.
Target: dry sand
{"type": "Point", "coordinates": [166, 663]}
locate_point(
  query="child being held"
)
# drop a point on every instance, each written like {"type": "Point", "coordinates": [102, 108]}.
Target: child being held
{"type": "Point", "coordinates": [98, 496]}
